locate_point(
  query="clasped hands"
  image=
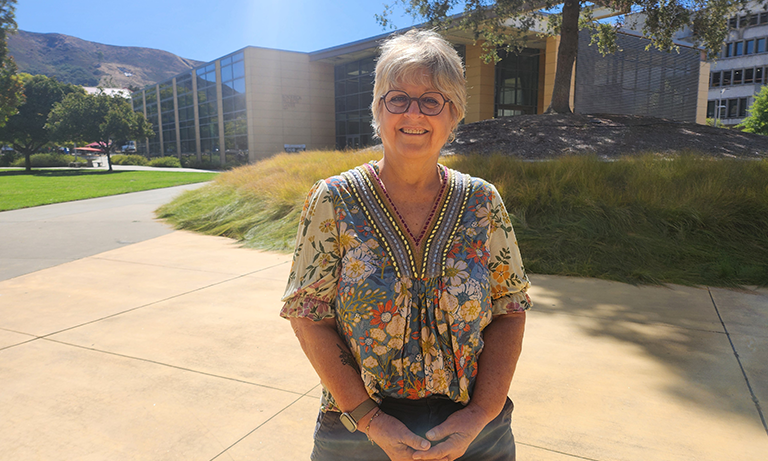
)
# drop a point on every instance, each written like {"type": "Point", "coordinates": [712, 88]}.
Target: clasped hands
{"type": "Point", "coordinates": [445, 442]}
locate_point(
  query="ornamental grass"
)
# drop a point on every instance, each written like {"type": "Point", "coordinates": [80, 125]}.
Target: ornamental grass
{"type": "Point", "coordinates": [652, 219]}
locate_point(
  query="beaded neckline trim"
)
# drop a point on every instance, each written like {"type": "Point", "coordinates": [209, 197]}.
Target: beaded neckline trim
{"type": "Point", "coordinates": [416, 257]}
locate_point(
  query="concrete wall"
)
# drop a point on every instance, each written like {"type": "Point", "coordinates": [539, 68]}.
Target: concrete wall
{"type": "Point", "coordinates": [549, 58]}
{"type": "Point", "coordinates": [289, 101]}
{"type": "Point", "coordinates": [701, 105]}
{"type": "Point", "coordinates": [480, 85]}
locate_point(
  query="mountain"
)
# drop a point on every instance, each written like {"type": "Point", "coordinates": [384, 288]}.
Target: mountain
{"type": "Point", "coordinates": [72, 60]}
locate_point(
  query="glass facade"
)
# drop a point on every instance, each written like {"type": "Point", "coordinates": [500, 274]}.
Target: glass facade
{"type": "Point", "coordinates": [137, 101]}
{"type": "Point", "coordinates": [207, 106]}
{"type": "Point", "coordinates": [234, 113]}
{"type": "Point", "coordinates": [354, 94]}
{"type": "Point", "coordinates": [186, 102]}
{"type": "Point", "coordinates": [152, 117]}
{"type": "Point", "coordinates": [168, 118]}
{"type": "Point", "coordinates": [517, 83]}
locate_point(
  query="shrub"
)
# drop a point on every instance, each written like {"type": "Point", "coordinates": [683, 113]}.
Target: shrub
{"type": "Point", "coordinates": [7, 158]}
{"type": "Point", "coordinates": [192, 162]}
{"type": "Point", "coordinates": [165, 162]}
{"type": "Point", "coordinates": [133, 159]}
{"type": "Point", "coordinates": [45, 160]}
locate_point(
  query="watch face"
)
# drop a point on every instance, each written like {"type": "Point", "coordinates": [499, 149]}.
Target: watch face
{"type": "Point", "coordinates": [348, 422]}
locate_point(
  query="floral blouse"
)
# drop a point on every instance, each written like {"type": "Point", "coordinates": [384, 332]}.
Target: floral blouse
{"type": "Point", "coordinates": [411, 308]}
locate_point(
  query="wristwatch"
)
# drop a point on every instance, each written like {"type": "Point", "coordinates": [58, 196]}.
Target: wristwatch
{"type": "Point", "coordinates": [349, 420]}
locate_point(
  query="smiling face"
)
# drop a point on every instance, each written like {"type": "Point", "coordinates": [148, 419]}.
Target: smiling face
{"type": "Point", "coordinates": [413, 135]}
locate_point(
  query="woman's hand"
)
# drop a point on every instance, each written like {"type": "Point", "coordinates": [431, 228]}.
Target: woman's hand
{"type": "Point", "coordinates": [454, 435]}
{"type": "Point", "coordinates": [397, 441]}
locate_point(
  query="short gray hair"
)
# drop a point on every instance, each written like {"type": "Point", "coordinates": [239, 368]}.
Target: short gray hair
{"type": "Point", "coordinates": [404, 59]}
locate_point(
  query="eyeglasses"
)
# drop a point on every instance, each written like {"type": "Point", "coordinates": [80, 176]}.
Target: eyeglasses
{"type": "Point", "coordinates": [430, 103]}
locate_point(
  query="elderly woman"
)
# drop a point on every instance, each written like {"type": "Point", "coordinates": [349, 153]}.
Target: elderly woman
{"type": "Point", "coordinates": [407, 291]}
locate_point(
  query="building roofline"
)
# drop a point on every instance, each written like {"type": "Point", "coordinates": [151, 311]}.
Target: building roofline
{"type": "Point", "coordinates": [676, 42]}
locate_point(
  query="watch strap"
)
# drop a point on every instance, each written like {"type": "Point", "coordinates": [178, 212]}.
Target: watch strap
{"type": "Point", "coordinates": [363, 409]}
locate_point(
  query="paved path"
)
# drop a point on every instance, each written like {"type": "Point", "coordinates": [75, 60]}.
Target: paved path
{"type": "Point", "coordinates": [36, 238]}
{"type": "Point", "coordinates": [170, 348]}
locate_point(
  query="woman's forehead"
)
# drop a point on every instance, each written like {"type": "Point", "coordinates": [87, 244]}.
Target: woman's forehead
{"type": "Point", "coordinates": [421, 80]}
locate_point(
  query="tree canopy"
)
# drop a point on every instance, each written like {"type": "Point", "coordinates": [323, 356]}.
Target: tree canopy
{"type": "Point", "coordinates": [489, 22]}
{"type": "Point", "coordinates": [25, 130]}
{"type": "Point", "coordinates": [10, 85]}
{"type": "Point", "coordinates": [107, 120]}
{"type": "Point", "coordinates": [757, 121]}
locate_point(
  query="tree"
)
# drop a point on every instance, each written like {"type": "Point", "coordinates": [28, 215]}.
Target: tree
{"type": "Point", "coordinates": [107, 120]}
{"type": "Point", "coordinates": [757, 121]}
{"type": "Point", "coordinates": [489, 21]}
{"type": "Point", "coordinates": [10, 85]}
{"type": "Point", "coordinates": [25, 130]}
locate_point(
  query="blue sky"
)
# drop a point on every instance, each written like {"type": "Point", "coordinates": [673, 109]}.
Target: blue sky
{"type": "Point", "coordinates": [204, 29]}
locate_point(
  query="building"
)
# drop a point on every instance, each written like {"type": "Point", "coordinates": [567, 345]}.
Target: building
{"type": "Point", "coordinates": [739, 73]}
{"type": "Point", "coordinates": [108, 91]}
{"type": "Point", "coordinates": [256, 102]}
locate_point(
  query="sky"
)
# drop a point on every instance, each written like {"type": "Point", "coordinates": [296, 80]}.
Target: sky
{"type": "Point", "coordinates": [205, 30]}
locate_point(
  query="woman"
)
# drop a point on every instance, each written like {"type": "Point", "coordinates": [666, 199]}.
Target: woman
{"type": "Point", "coordinates": [407, 290]}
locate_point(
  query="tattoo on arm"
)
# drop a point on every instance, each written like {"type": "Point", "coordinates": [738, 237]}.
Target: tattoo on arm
{"type": "Point", "coordinates": [347, 358]}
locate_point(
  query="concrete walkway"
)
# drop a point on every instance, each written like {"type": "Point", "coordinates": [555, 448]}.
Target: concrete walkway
{"type": "Point", "coordinates": [36, 238]}
{"type": "Point", "coordinates": [171, 348]}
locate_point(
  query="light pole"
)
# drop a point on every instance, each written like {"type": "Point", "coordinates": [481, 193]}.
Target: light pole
{"type": "Point", "coordinates": [718, 114]}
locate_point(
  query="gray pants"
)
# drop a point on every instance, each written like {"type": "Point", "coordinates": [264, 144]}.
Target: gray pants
{"type": "Point", "coordinates": [333, 442]}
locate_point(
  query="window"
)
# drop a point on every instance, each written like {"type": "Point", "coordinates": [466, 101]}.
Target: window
{"type": "Point", "coordinates": [168, 117]}
{"type": "Point", "coordinates": [738, 48]}
{"type": "Point", "coordinates": [742, 107]}
{"type": "Point", "coordinates": [715, 79]}
{"type": "Point", "coordinates": [185, 102]}
{"type": "Point", "coordinates": [711, 109]}
{"type": "Point", "coordinates": [737, 75]}
{"type": "Point", "coordinates": [749, 47]}
{"type": "Point", "coordinates": [749, 75]}
{"type": "Point", "coordinates": [753, 19]}
{"type": "Point", "coordinates": [354, 93]}
{"type": "Point", "coordinates": [733, 108]}
{"type": "Point", "coordinates": [726, 77]}
{"type": "Point", "coordinates": [759, 75]}
{"type": "Point", "coordinates": [763, 17]}
{"type": "Point", "coordinates": [733, 23]}
{"type": "Point", "coordinates": [743, 21]}
{"type": "Point", "coordinates": [234, 113]}
{"type": "Point", "coordinates": [728, 52]}
{"type": "Point", "coordinates": [760, 45]}
{"type": "Point", "coordinates": [207, 107]}
{"type": "Point", "coordinates": [516, 91]}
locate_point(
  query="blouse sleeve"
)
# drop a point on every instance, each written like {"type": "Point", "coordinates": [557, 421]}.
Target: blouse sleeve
{"type": "Point", "coordinates": [311, 287]}
{"type": "Point", "coordinates": [509, 284]}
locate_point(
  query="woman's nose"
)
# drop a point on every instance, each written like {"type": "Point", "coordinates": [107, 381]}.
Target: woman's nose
{"type": "Point", "coordinates": [413, 108]}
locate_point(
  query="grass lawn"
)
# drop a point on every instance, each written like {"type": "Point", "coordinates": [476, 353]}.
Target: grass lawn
{"type": "Point", "coordinates": [649, 220]}
{"type": "Point", "coordinates": [21, 190]}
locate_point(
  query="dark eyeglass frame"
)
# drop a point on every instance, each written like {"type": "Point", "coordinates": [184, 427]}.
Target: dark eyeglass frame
{"type": "Point", "coordinates": [418, 102]}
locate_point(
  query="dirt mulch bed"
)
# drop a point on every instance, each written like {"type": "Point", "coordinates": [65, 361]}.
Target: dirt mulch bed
{"type": "Point", "coordinates": [549, 136]}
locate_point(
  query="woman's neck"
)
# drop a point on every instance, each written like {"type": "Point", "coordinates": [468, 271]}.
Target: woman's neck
{"type": "Point", "coordinates": [412, 176]}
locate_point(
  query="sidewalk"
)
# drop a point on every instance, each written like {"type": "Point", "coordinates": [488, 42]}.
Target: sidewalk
{"type": "Point", "coordinates": [172, 349]}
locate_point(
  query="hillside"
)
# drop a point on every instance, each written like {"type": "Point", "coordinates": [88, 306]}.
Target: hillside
{"type": "Point", "coordinates": [81, 62]}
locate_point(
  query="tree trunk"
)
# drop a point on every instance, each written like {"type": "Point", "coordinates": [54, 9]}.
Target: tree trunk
{"type": "Point", "coordinates": [27, 150]}
{"type": "Point", "coordinates": [566, 56]}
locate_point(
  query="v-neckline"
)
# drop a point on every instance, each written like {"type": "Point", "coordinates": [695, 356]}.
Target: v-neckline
{"type": "Point", "coordinates": [429, 223]}
{"type": "Point", "coordinates": [422, 258]}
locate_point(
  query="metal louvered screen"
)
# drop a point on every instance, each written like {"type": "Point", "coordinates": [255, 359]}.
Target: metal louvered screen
{"type": "Point", "coordinates": [636, 81]}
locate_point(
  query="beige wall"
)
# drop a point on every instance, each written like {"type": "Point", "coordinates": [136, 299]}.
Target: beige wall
{"type": "Point", "coordinates": [480, 86]}
{"type": "Point", "coordinates": [550, 68]}
{"type": "Point", "coordinates": [290, 101]}
{"type": "Point", "coordinates": [701, 105]}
